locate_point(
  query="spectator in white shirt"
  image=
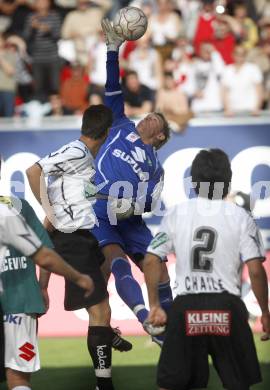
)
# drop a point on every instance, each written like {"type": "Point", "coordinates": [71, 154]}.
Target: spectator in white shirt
{"type": "Point", "coordinates": [164, 27]}
{"type": "Point", "coordinates": [242, 86]}
{"type": "Point", "coordinates": [146, 61]}
{"type": "Point", "coordinates": [208, 68]}
{"type": "Point", "coordinates": [82, 25]}
{"type": "Point", "coordinates": [97, 63]}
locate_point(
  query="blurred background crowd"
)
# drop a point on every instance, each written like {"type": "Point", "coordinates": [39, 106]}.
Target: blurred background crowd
{"type": "Point", "coordinates": [197, 57]}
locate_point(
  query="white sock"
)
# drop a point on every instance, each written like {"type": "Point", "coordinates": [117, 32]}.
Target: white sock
{"type": "Point", "coordinates": [21, 388]}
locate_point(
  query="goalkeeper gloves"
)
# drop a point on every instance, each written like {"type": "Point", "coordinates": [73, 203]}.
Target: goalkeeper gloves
{"type": "Point", "coordinates": [113, 40]}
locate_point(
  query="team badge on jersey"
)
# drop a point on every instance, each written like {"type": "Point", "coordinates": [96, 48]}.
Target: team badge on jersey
{"type": "Point", "coordinates": [158, 240]}
{"type": "Point", "coordinates": [208, 322]}
{"type": "Point", "coordinates": [132, 137]}
{"type": "Point", "coordinates": [6, 200]}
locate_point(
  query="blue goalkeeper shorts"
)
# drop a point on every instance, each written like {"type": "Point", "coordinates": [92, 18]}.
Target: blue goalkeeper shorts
{"type": "Point", "coordinates": [131, 234]}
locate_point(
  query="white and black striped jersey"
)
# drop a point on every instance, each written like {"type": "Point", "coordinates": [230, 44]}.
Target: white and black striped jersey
{"type": "Point", "coordinates": [15, 231]}
{"type": "Point", "coordinates": [70, 172]}
{"type": "Point", "coordinates": [212, 239]}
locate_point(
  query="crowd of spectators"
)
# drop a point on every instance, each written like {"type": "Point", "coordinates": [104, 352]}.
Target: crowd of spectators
{"type": "Point", "coordinates": [197, 56]}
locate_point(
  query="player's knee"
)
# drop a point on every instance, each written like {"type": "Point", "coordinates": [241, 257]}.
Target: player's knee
{"type": "Point", "coordinates": [100, 314]}
{"type": "Point", "coordinates": [112, 252]}
{"type": "Point", "coordinates": [120, 267]}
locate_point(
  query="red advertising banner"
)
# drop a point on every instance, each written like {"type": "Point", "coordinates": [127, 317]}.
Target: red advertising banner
{"type": "Point", "coordinates": [58, 322]}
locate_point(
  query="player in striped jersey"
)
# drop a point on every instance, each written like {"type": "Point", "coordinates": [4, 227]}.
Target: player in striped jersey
{"type": "Point", "coordinates": [212, 239]}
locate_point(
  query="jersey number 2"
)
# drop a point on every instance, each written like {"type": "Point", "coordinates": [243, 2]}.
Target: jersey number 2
{"type": "Point", "coordinates": [200, 259]}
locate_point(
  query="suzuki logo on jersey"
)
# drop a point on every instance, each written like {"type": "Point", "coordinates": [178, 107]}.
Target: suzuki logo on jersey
{"type": "Point", "coordinates": [28, 352]}
{"type": "Point", "coordinates": [208, 322]}
{"type": "Point", "coordinates": [144, 176]}
{"type": "Point", "coordinates": [138, 154]}
{"type": "Point", "coordinates": [12, 319]}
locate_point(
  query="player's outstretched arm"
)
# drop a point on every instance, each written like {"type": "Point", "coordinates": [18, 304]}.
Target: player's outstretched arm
{"type": "Point", "coordinates": [18, 233]}
{"type": "Point", "coordinates": [152, 274]}
{"type": "Point", "coordinates": [259, 286]}
{"type": "Point", "coordinates": [44, 278]}
{"type": "Point", "coordinates": [113, 91]}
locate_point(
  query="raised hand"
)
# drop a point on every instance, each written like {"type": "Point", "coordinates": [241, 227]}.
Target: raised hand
{"type": "Point", "coordinates": [113, 40]}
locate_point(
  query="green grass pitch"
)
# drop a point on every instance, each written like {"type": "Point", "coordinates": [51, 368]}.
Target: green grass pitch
{"type": "Point", "coordinates": [66, 366]}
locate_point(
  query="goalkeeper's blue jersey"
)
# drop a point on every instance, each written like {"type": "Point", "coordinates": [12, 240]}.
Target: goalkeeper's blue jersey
{"type": "Point", "coordinates": [125, 166]}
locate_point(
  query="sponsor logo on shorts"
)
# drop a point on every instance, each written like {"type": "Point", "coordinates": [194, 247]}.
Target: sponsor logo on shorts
{"type": "Point", "coordinates": [101, 357]}
{"type": "Point", "coordinates": [12, 319]}
{"type": "Point", "coordinates": [27, 350]}
{"type": "Point", "coordinates": [208, 322]}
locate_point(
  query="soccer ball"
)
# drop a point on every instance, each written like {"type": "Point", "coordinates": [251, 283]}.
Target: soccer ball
{"type": "Point", "coordinates": [130, 23]}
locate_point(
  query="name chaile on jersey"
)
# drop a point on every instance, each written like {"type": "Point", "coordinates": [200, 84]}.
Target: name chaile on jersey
{"type": "Point", "coordinates": [204, 284]}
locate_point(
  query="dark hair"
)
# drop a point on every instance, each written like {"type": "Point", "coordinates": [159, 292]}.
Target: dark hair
{"type": "Point", "coordinates": [165, 130]}
{"type": "Point", "coordinates": [131, 72]}
{"type": "Point", "coordinates": [208, 1]}
{"type": "Point", "coordinates": [128, 74]}
{"type": "Point", "coordinates": [239, 3]}
{"type": "Point", "coordinates": [96, 121]}
{"type": "Point", "coordinates": [168, 74]}
{"type": "Point", "coordinates": [213, 168]}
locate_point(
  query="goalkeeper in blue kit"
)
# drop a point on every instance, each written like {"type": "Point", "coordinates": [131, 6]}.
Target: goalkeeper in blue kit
{"type": "Point", "coordinates": [129, 179]}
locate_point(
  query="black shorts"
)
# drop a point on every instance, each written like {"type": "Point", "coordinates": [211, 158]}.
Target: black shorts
{"type": "Point", "coordinates": [191, 337]}
{"type": "Point", "coordinates": [80, 249]}
{"type": "Point", "coordinates": [2, 348]}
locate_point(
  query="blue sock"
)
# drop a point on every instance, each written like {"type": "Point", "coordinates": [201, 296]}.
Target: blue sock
{"type": "Point", "coordinates": [128, 288]}
{"type": "Point", "coordinates": [165, 295]}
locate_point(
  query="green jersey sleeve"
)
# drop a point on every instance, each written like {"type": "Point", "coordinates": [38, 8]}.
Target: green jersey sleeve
{"type": "Point", "coordinates": [21, 288]}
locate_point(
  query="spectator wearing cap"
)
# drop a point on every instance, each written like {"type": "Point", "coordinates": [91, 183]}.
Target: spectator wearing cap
{"type": "Point", "coordinates": [242, 85]}
{"type": "Point", "coordinates": [42, 31]}
{"type": "Point", "coordinates": [82, 26]}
